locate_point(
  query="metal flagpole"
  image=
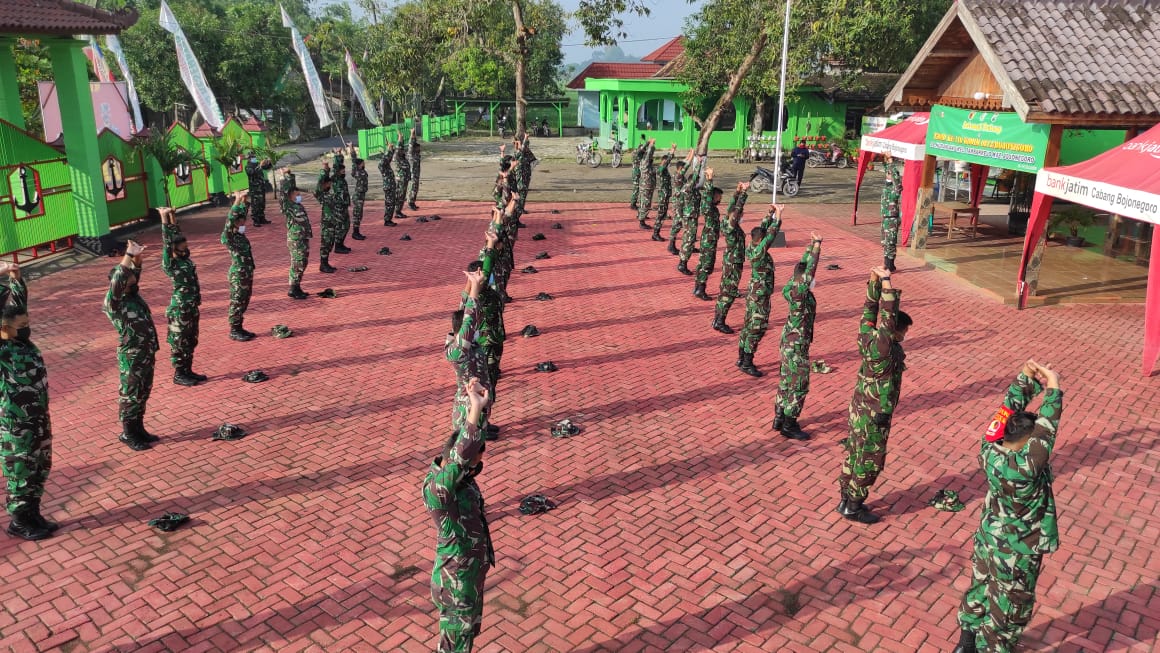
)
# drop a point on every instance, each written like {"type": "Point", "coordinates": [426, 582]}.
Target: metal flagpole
{"type": "Point", "coordinates": [781, 104]}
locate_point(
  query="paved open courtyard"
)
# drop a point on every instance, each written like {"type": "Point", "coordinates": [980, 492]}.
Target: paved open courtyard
{"type": "Point", "coordinates": [684, 523]}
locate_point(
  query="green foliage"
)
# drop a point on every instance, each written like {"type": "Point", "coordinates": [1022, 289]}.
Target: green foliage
{"type": "Point", "coordinates": [600, 19]}
{"type": "Point", "coordinates": [1072, 218]}
{"type": "Point", "coordinates": [32, 65]}
{"type": "Point", "coordinates": [156, 144]}
{"type": "Point", "coordinates": [227, 148]}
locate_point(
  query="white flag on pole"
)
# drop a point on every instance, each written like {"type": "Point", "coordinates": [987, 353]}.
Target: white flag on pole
{"type": "Point", "coordinates": [191, 72]}
{"type": "Point", "coordinates": [308, 71]}
{"type": "Point", "coordinates": [360, 91]}
{"type": "Point", "coordinates": [114, 45]}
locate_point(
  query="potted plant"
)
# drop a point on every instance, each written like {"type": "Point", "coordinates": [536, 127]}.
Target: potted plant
{"type": "Point", "coordinates": [1072, 218]}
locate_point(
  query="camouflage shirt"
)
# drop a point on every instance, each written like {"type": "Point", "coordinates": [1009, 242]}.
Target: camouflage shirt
{"type": "Point", "coordinates": [648, 172]}
{"type": "Point", "coordinates": [297, 222]}
{"type": "Point", "coordinates": [385, 167]}
{"type": "Point", "coordinates": [462, 349]}
{"type": "Point", "coordinates": [341, 191]}
{"type": "Point", "coordinates": [491, 330]}
{"type": "Point", "coordinates": [241, 257]}
{"type": "Point", "coordinates": [256, 175]}
{"type": "Point", "coordinates": [638, 157]}
{"type": "Point", "coordinates": [329, 201]}
{"type": "Point", "coordinates": [23, 376]}
{"type": "Point", "coordinates": [127, 310]}
{"type": "Point", "coordinates": [883, 361]}
{"type": "Point", "coordinates": [183, 271]}
{"type": "Point", "coordinates": [760, 262]}
{"type": "Point", "coordinates": [401, 163]}
{"type": "Point", "coordinates": [362, 181]}
{"type": "Point", "coordinates": [803, 308]}
{"type": "Point", "coordinates": [286, 187]}
{"type": "Point", "coordinates": [891, 192]}
{"type": "Point", "coordinates": [1019, 511]}
{"type": "Point", "coordinates": [455, 503]}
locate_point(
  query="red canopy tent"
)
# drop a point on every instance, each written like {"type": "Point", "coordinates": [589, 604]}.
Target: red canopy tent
{"type": "Point", "coordinates": [1124, 181]}
{"type": "Point", "coordinates": [907, 141]}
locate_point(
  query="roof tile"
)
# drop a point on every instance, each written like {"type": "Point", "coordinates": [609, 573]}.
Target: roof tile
{"type": "Point", "coordinates": [61, 17]}
{"type": "Point", "coordinates": [611, 70]}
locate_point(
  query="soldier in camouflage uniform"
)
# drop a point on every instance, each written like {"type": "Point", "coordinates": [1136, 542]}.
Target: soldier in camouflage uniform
{"type": "Point", "coordinates": [691, 209]}
{"type": "Point", "coordinates": [505, 228]}
{"type": "Point", "coordinates": [796, 337]}
{"type": "Point", "coordinates": [361, 186]}
{"type": "Point", "coordinates": [637, 162]}
{"type": "Point", "coordinates": [760, 290]}
{"type": "Point", "coordinates": [521, 175]}
{"type": "Point", "coordinates": [664, 192]}
{"type": "Point", "coordinates": [462, 348]}
{"type": "Point", "coordinates": [648, 183]}
{"type": "Point", "coordinates": [463, 549]}
{"type": "Point", "coordinates": [241, 273]}
{"type": "Point", "coordinates": [679, 203]}
{"type": "Point", "coordinates": [402, 175]}
{"type": "Point", "coordinates": [341, 192]}
{"type": "Point", "coordinates": [1018, 523]}
{"type": "Point", "coordinates": [710, 199]}
{"type": "Point", "coordinates": [298, 235]}
{"type": "Point", "coordinates": [286, 189]}
{"type": "Point", "coordinates": [732, 259]}
{"type": "Point", "coordinates": [256, 176]}
{"type": "Point", "coordinates": [25, 428]}
{"type": "Point", "coordinates": [413, 194]}
{"type": "Point", "coordinates": [184, 312]}
{"type": "Point", "coordinates": [880, 336]}
{"type": "Point", "coordinates": [491, 332]}
{"type": "Point", "coordinates": [330, 219]}
{"type": "Point", "coordinates": [136, 355]}
{"type": "Point", "coordinates": [890, 213]}
{"type": "Point", "coordinates": [388, 186]}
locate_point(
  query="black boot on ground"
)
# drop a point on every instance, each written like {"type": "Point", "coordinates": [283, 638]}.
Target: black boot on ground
{"type": "Point", "coordinates": [400, 215]}
{"type": "Point", "coordinates": [645, 225]}
{"type": "Point", "coordinates": [491, 433]}
{"type": "Point", "coordinates": [699, 292]}
{"type": "Point", "coordinates": [719, 323]}
{"type": "Point", "coordinates": [683, 268]}
{"type": "Point", "coordinates": [296, 292]}
{"type": "Point", "coordinates": [240, 334]}
{"type": "Point", "coordinates": [201, 378]}
{"type": "Point", "coordinates": [341, 248]}
{"type": "Point", "coordinates": [778, 419]}
{"type": "Point", "coordinates": [740, 356]}
{"type": "Point", "coordinates": [966, 642]}
{"type": "Point", "coordinates": [748, 367]}
{"type": "Point", "coordinates": [633, 207]}
{"type": "Point", "coordinates": [855, 511]}
{"type": "Point", "coordinates": [390, 223]}
{"type": "Point", "coordinates": [183, 377]}
{"type": "Point", "coordinates": [142, 434]}
{"type": "Point", "coordinates": [25, 526]}
{"type": "Point", "coordinates": [841, 509]}
{"type": "Point", "coordinates": [792, 430]}
{"type": "Point", "coordinates": [890, 265]}
{"type": "Point", "coordinates": [130, 437]}
{"type": "Point", "coordinates": [357, 235]}
{"type": "Point", "coordinates": [325, 267]}
{"type": "Point", "coordinates": [412, 206]}
{"type": "Point", "coordinates": [34, 508]}
{"type": "Point", "coordinates": [658, 238]}
{"type": "Point", "coordinates": [673, 248]}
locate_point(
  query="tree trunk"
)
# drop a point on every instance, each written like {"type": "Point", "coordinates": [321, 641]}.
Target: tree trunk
{"type": "Point", "coordinates": [731, 91]}
{"type": "Point", "coordinates": [758, 115]}
{"type": "Point", "coordinates": [521, 69]}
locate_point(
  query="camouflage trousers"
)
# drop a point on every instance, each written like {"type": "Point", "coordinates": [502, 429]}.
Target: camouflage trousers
{"type": "Point", "coordinates": [343, 225]}
{"type": "Point", "coordinates": [794, 384]}
{"type": "Point", "coordinates": [730, 278]}
{"type": "Point", "coordinates": [299, 246]}
{"type": "Point", "coordinates": [457, 591]}
{"type": "Point", "coordinates": [331, 226]}
{"type": "Point", "coordinates": [865, 451]}
{"type": "Point", "coordinates": [413, 194]}
{"type": "Point", "coordinates": [494, 353]}
{"type": "Point", "coordinates": [689, 238]}
{"type": "Point", "coordinates": [460, 403]}
{"type": "Point", "coordinates": [26, 448]}
{"type": "Point", "coordinates": [645, 201]}
{"type": "Point", "coordinates": [678, 219]}
{"type": "Point", "coordinates": [257, 204]}
{"type": "Point", "coordinates": [357, 211]}
{"type": "Point", "coordinates": [522, 188]}
{"type": "Point", "coordinates": [890, 236]}
{"type": "Point", "coordinates": [136, 367]}
{"type": "Point", "coordinates": [662, 212]}
{"type": "Point", "coordinates": [402, 179]}
{"type": "Point", "coordinates": [708, 259]}
{"type": "Point", "coordinates": [756, 322]}
{"type": "Point", "coordinates": [998, 604]}
{"type": "Point", "coordinates": [184, 328]}
{"type": "Point", "coordinates": [241, 288]}
{"type": "Point", "coordinates": [388, 201]}
{"type": "Point", "coordinates": [504, 265]}
{"type": "Point", "coordinates": [635, 187]}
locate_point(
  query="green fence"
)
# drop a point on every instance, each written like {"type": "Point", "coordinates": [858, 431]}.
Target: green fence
{"type": "Point", "coordinates": [373, 142]}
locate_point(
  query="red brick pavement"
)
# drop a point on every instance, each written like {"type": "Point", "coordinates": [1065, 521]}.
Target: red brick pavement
{"type": "Point", "coordinates": [683, 524]}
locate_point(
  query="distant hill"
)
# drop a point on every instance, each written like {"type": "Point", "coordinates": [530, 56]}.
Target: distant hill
{"type": "Point", "coordinates": [611, 53]}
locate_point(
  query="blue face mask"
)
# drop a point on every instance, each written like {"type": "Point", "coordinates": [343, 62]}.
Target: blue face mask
{"type": "Point", "coordinates": [297, 199]}
{"type": "Point", "coordinates": [253, 159]}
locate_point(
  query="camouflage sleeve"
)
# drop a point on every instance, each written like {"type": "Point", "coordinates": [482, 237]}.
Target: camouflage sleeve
{"type": "Point", "coordinates": [650, 151]}
{"type": "Point", "coordinates": [895, 175]}
{"type": "Point", "coordinates": [801, 287]}
{"type": "Point", "coordinates": [487, 257]}
{"type": "Point", "coordinates": [884, 333]}
{"type": "Point", "coordinates": [706, 201]}
{"type": "Point", "coordinates": [17, 291]}
{"type": "Point", "coordinates": [470, 319]}
{"type": "Point", "coordinates": [118, 282]}
{"type": "Point", "coordinates": [1051, 410]}
{"type": "Point", "coordinates": [1023, 389]}
{"type": "Point", "coordinates": [468, 445]}
{"type": "Point", "coordinates": [772, 225]}
{"type": "Point", "coordinates": [168, 233]}
{"type": "Point", "coordinates": [868, 326]}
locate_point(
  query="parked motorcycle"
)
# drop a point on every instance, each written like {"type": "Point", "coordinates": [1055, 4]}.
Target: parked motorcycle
{"type": "Point", "coordinates": [588, 153]}
{"type": "Point", "coordinates": [542, 129]}
{"type": "Point", "coordinates": [617, 153]}
{"type": "Point", "coordinates": [763, 179]}
{"type": "Point", "coordinates": [825, 159]}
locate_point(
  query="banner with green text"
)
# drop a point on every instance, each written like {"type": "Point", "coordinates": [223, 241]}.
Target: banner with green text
{"type": "Point", "coordinates": [991, 138]}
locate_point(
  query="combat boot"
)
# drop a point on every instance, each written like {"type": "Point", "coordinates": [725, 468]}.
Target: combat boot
{"type": "Point", "coordinates": [387, 222]}
{"type": "Point", "coordinates": [748, 367]}
{"type": "Point", "coordinates": [890, 264]}
{"type": "Point", "coordinates": [719, 323]}
{"type": "Point", "coordinates": [139, 423]}
{"type": "Point", "coordinates": [200, 377]}
{"type": "Point", "coordinates": [683, 268]}
{"type": "Point", "coordinates": [183, 377]}
{"type": "Point", "coordinates": [644, 225]}
{"type": "Point", "coordinates": [412, 206]}
{"type": "Point", "coordinates": [341, 247]}
{"type": "Point", "coordinates": [657, 237]}
{"type": "Point", "coordinates": [778, 419]}
{"type": "Point", "coordinates": [673, 247]}
{"type": "Point", "coordinates": [296, 292]}
{"type": "Point", "coordinates": [740, 356]}
{"type": "Point", "coordinates": [25, 526]}
{"type": "Point", "coordinates": [699, 292]}
{"type": "Point", "coordinates": [792, 430]}
{"type": "Point", "coordinates": [240, 334]}
{"type": "Point", "coordinates": [966, 642]}
{"type": "Point", "coordinates": [357, 235]}
{"type": "Point", "coordinates": [855, 511]}
{"type": "Point", "coordinates": [325, 266]}
{"type": "Point", "coordinates": [34, 508]}
{"type": "Point", "coordinates": [130, 437]}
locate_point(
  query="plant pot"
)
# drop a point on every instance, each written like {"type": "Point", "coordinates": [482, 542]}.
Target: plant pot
{"type": "Point", "coordinates": [1074, 241]}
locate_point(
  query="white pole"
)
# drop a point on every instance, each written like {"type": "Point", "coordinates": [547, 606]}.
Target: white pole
{"type": "Point", "coordinates": [781, 104]}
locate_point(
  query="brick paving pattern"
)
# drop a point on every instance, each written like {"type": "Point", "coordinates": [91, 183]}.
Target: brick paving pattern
{"type": "Point", "coordinates": [684, 523]}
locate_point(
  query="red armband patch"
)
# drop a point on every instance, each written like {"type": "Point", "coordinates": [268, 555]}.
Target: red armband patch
{"type": "Point", "coordinates": [998, 424]}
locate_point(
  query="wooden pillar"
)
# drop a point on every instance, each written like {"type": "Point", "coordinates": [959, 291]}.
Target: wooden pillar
{"type": "Point", "coordinates": [1116, 222]}
{"type": "Point", "coordinates": [923, 206]}
{"type": "Point", "coordinates": [1050, 159]}
{"type": "Point", "coordinates": [10, 108]}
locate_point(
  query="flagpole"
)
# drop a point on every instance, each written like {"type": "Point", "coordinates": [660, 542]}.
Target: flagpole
{"type": "Point", "coordinates": [781, 103]}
